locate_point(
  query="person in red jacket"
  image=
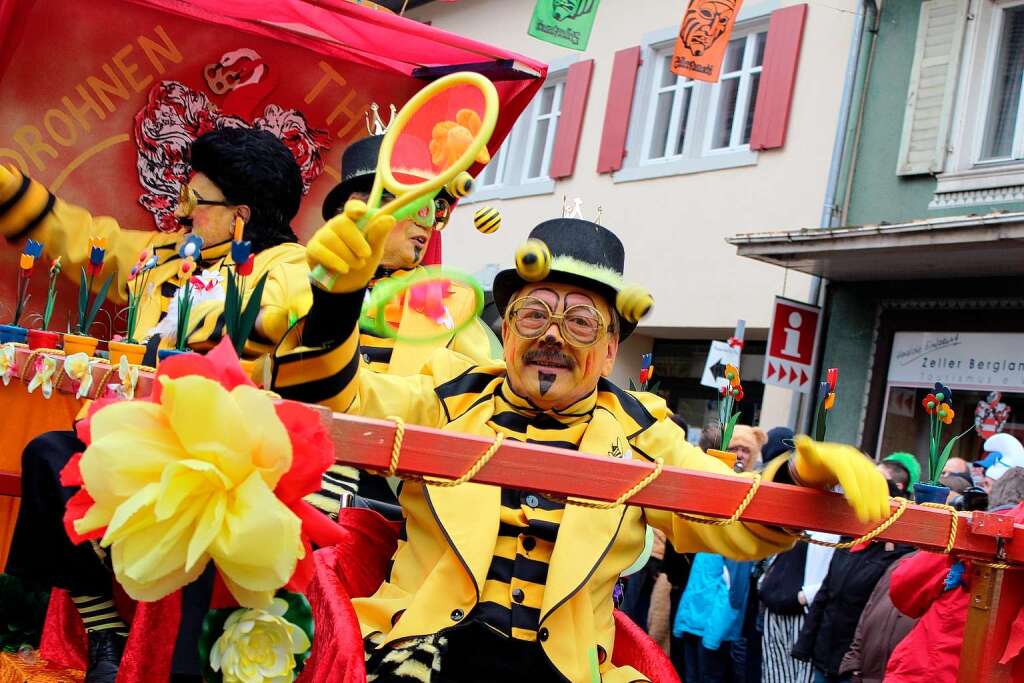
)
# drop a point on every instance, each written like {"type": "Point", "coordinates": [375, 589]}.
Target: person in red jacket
{"type": "Point", "coordinates": [936, 589]}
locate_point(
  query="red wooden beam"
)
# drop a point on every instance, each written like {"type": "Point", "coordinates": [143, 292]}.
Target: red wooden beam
{"type": "Point", "coordinates": [367, 444]}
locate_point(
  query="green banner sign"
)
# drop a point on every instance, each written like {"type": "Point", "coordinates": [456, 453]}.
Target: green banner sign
{"type": "Point", "coordinates": [564, 22]}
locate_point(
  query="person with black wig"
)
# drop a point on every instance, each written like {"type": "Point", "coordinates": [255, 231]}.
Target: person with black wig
{"type": "Point", "coordinates": [236, 172]}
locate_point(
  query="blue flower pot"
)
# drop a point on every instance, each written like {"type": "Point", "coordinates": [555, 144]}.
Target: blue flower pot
{"type": "Point", "coordinates": [13, 333]}
{"type": "Point", "coordinates": [930, 493]}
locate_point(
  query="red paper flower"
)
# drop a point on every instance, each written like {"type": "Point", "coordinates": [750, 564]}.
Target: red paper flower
{"type": "Point", "coordinates": [930, 404]}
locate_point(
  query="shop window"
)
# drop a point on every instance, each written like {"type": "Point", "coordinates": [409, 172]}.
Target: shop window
{"type": "Point", "coordinates": [985, 372]}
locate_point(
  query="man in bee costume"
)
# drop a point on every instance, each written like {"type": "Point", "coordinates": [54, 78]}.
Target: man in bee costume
{"type": "Point", "coordinates": [492, 584]}
{"type": "Point", "coordinates": [403, 254]}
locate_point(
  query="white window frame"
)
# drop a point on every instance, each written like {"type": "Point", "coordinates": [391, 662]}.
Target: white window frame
{"type": "Point", "coordinates": [512, 158]}
{"type": "Point", "coordinates": [697, 155]}
{"type": "Point", "coordinates": [967, 180]}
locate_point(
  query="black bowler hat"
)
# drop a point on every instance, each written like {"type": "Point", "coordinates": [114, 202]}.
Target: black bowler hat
{"type": "Point", "coordinates": [358, 167]}
{"type": "Point", "coordinates": [582, 253]}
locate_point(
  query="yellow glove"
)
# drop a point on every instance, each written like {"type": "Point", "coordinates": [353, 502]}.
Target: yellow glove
{"type": "Point", "coordinates": [823, 465]}
{"type": "Point", "coordinates": [345, 250]}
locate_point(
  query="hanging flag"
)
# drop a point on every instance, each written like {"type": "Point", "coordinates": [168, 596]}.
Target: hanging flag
{"type": "Point", "coordinates": [564, 22]}
{"type": "Point", "coordinates": [704, 37]}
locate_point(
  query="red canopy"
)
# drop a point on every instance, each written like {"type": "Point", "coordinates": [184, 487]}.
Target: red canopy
{"type": "Point", "coordinates": [100, 99]}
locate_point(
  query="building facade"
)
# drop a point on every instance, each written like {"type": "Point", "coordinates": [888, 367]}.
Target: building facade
{"type": "Point", "coordinates": [924, 280]}
{"type": "Point", "coordinates": [673, 166]}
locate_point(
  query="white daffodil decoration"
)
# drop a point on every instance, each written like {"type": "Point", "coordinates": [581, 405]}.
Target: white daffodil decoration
{"type": "Point", "coordinates": [78, 367]}
{"type": "Point", "coordinates": [45, 367]}
{"type": "Point", "coordinates": [129, 376]}
{"type": "Point", "coordinates": [258, 645]}
{"type": "Point", "coordinates": [8, 362]}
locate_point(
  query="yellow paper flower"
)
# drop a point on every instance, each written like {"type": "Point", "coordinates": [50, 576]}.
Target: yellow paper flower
{"type": "Point", "coordinates": [258, 645]}
{"type": "Point", "coordinates": [732, 374]}
{"type": "Point", "coordinates": [78, 368]}
{"type": "Point", "coordinates": [830, 401]}
{"type": "Point", "coordinates": [188, 479]}
{"type": "Point", "coordinates": [946, 413]}
{"type": "Point", "coordinates": [43, 377]}
{"type": "Point", "coordinates": [8, 362]}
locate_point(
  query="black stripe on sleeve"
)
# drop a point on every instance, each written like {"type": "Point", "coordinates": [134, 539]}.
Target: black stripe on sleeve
{"type": "Point", "coordinates": [50, 201]}
{"type": "Point", "coordinates": [320, 390]}
{"type": "Point", "coordinates": [16, 197]}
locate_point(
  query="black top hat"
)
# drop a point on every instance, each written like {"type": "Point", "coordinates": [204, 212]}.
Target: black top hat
{"type": "Point", "coordinates": [358, 166]}
{"type": "Point", "coordinates": [582, 253]}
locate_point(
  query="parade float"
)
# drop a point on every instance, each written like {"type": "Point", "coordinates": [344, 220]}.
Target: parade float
{"type": "Point", "coordinates": [108, 127]}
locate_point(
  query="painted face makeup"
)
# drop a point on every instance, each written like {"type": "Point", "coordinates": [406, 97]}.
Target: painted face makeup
{"type": "Point", "coordinates": [557, 345]}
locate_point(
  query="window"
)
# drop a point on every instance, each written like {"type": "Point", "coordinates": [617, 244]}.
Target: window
{"type": "Point", "coordinates": [521, 165]}
{"type": "Point", "coordinates": [985, 163]}
{"type": "Point", "coordinates": [685, 126]}
{"type": "Point", "coordinates": [1004, 126]}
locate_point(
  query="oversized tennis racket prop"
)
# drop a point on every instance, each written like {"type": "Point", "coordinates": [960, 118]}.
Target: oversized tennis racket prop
{"type": "Point", "coordinates": [416, 198]}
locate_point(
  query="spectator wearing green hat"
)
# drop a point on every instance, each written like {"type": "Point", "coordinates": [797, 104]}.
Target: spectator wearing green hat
{"type": "Point", "coordinates": [909, 463]}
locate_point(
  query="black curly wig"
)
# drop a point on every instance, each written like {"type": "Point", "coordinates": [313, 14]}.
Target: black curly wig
{"type": "Point", "coordinates": [254, 168]}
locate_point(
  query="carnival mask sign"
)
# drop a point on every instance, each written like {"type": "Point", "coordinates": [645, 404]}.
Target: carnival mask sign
{"type": "Point", "coordinates": [704, 37]}
{"type": "Point", "coordinates": [564, 22]}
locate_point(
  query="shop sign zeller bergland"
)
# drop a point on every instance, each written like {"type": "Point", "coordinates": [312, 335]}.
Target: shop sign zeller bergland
{"type": "Point", "coordinates": [959, 359]}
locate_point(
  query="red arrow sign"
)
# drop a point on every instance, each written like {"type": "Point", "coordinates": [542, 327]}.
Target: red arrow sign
{"type": "Point", "coordinates": [803, 377]}
{"type": "Point", "coordinates": [771, 370]}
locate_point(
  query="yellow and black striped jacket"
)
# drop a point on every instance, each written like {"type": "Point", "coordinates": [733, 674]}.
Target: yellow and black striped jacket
{"type": "Point", "coordinates": [31, 211]}
{"type": "Point", "coordinates": [445, 568]}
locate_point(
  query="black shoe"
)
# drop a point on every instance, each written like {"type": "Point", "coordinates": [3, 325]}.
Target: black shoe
{"type": "Point", "coordinates": [105, 650]}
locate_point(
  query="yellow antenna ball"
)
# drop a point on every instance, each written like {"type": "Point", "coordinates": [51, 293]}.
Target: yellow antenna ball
{"type": "Point", "coordinates": [461, 185]}
{"type": "Point", "coordinates": [533, 260]}
{"type": "Point", "coordinates": [487, 219]}
{"type": "Point", "coordinates": [633, 303]}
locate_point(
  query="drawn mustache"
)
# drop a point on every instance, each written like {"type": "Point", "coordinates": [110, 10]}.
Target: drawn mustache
{"type": "Point", "coordinates": [548, 356]}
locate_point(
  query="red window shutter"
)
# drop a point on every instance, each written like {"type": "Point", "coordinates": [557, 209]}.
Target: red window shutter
{"type": "Point", "coordinates": [617, 110]}
{"type": "Point", "coordinates": [778, 77]}
{"type": "Point", "coordinates": [570, 121]}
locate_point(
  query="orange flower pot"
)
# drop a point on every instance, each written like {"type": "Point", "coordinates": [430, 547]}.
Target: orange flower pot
{"type": "Point", "coordinates": [74, 343]}
{"type": "Point", "coordinates": [134, 352]}
{"type": "Point", "coordinates": [725, 456]}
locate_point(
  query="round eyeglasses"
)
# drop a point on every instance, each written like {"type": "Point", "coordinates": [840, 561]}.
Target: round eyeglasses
{"type": "Point", "coordinates": [581, 325]}
{"type": "Point", "coordinates": [188, 200]}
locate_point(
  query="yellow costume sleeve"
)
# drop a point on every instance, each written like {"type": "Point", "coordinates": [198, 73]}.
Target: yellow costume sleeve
{"type": "Point", "coordinates": [310, 366]}
{"type": "Point", "coordinates": [29, 211]}
{"type": "Point", "coordinates": [738, 540]}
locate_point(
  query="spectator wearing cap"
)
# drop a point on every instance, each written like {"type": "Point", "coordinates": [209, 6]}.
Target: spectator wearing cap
{"type": "Point", "coordinates": [1003, 452]}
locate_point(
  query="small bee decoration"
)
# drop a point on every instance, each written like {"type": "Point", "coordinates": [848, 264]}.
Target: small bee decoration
{"type": "Point", "coordinates": [533, 260]}
{"type": "Point", "coordinates": [487, 219]}
{"type": "Point", "coordinates": [633, 303]}
{"type": "Point", "coordinates": [461, 185]}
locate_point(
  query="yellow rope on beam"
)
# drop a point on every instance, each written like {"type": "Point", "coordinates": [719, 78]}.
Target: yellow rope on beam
{"type": "Point", "coordinates": [954, 523]}
{"type": "Point", "coordinates": [396, 450]}
{"type": "Point", "coordinates": [659, 465]}
{"type": "Point", "coordinates": [755, 484]}
{"type": "Point", "coordinates": [871, 535]}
